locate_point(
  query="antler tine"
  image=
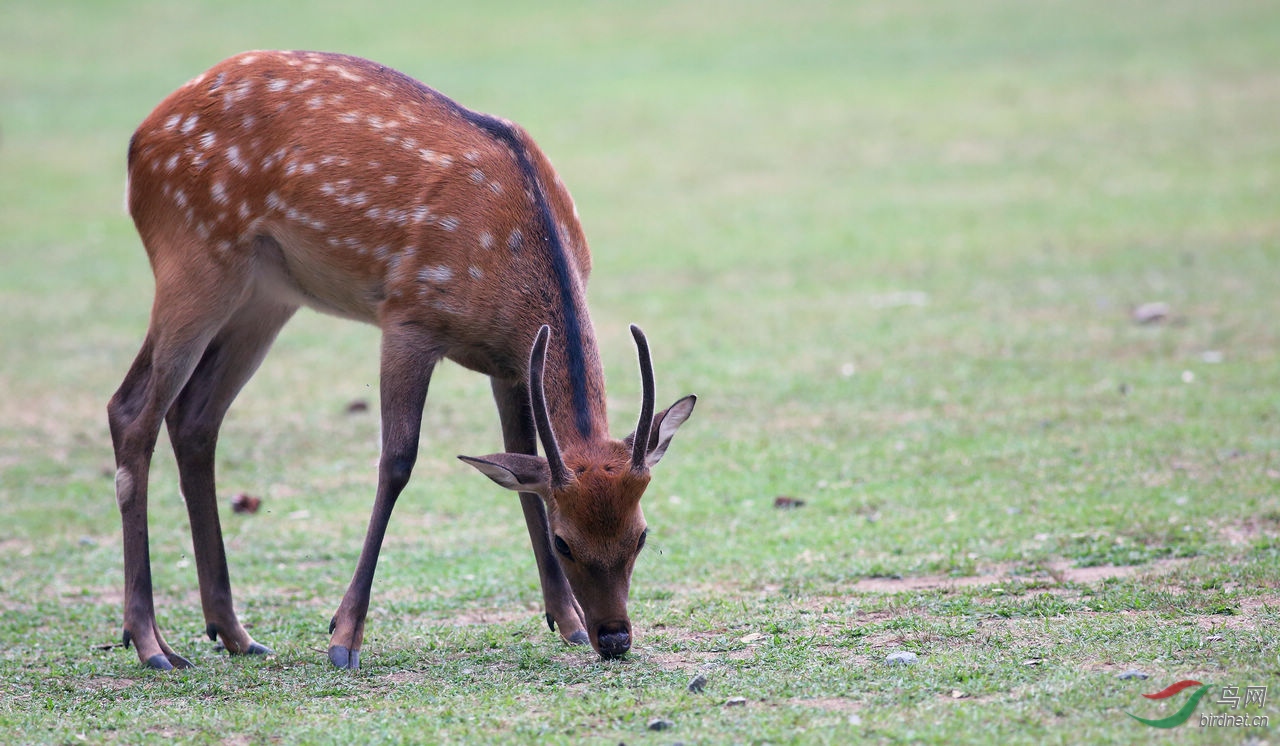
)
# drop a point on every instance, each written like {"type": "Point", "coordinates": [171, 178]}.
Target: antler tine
{"type": "Point", "coordinates": [640, 447]}
{"type": "Point", "coordinates": [542, 417]}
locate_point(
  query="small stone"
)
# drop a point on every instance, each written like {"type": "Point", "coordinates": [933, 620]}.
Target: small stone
{"type": "Point", "coordinates": [736, 702]}
{"type": "Point", "coordinates": [901, 658]}
{"type": "Point", "coordinates": [697, 683]}
{"type": "Point", "coordinates": [782, 502]}
{"type": "Point", "coordinates": [1214, 638]}
{"type": "Point", "coordinates": [660, 724]}
{"type": "Point", "coordinates": [1151, 313]}
{"type": "Point", "coordinates": [753, 637]}
{"type": "Point", "coordinates": [357, 405]}
{"type": "Point", "coordinates": [957, 694]}
{"type": "Point", "coordinates": [1132, 673]}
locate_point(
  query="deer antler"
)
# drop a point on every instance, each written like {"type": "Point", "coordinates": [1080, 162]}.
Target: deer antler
{"type": "Point", "coordinates": [640, 446]}
{"type": "Point", "coordinates": [541, 417]}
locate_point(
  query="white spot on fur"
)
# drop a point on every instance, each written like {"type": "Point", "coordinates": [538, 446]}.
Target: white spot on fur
{"type": "Point", "coordinates": [515, 240]}
{"type": "Point", "coordinates": [277, 85]}
{"type": "Point", "coordinates": [450, 223]}
{"type": "Point", "coordinates": [172, 163]}
{"type": "Point", "coordinates": [472, 156]}
{"type": "Point", "coordinates": [495, 187]}
{"type": "Point", "coordinates": [476, 176]}
{"type": "Point", "coordinates": [390, 179]}
{"type": "Point", "coordinates": [248, 59]}
{"type": "Point", "coordinates": [421, 213]}
{"type": "Point", "coordinates": [437, 275]}
{"type": "Point", "coordinates": [236, 162]}
{"type": "Point", "coordinates": [189, 124]}
{"type": "Point", "coordinates": [476, 272]}
{"type": "Point", "coordinates": [315, 102]}
{"type": "Point", "coordinates": [344, 73]}
{"type": "Point", "coordinates": [207, 140]}
{"type": "Point", "coordinates": [243, 211]}
{"type": "Point", "coordinates": [486, 240]}
{"type": "Point", "coordinates": [304, 85]}
{"type": "Point", "coordinates": [349, 117]}
{"type": "Point", "coordinates": [172, 121]}
{"type": "Point", "coordinates": [219, 192]}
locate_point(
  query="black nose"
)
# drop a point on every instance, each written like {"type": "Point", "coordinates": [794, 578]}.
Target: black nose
{"type": "Point", "coordinates": [614, 639]}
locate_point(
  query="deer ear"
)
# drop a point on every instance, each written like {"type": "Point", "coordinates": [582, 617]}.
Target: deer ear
{"type": "Point", "coordinates": [665, 424]}
{"type": "Point", "coordinates": [515, 471]}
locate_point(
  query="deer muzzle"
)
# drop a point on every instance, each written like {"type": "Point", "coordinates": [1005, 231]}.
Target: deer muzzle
{"type": "Point", "coordinates": [613, 639]}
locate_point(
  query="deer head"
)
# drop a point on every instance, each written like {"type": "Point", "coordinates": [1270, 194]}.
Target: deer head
{"type": "Point", "coordinates": [592, 494]}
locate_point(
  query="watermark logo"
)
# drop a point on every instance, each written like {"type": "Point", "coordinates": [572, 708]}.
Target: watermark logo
{"type": "Point", "coordinates": [1182, 715]}
{"type": "Point", "coordinates": [1229, 695]}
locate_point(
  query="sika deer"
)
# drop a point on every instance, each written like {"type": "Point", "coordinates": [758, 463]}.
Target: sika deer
{"type": "Point", "coordinates": [284, 179]}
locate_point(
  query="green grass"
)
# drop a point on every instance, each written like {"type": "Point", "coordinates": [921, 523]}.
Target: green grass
{"type": "Point", "coordinates": [892, 246]}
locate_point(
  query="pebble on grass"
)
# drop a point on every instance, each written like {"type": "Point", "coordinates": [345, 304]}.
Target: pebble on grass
{"type": "Point", "coordinates": [697, 683]}
{"type": "Point", "coordinates": [660, 724]}
{"type": "Point", "coordinates": [901, 658]}
{"type": "Point", "coordinates": [1132, 673]}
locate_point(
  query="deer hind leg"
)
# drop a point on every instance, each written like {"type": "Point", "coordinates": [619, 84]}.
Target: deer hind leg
{"type": "Point", "coordinates": [519, 436]}
{"type": "Point", "coordinates": [230, 359]}
{"type": "Point", "coordinates": [185, 317]}
{"type": "Point", "coordinates": [409, 354]}
{"type": "Point", "coordinates": [134, 413]}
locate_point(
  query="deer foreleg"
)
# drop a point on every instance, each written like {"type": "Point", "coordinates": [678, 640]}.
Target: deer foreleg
{"type": "Point", "coordinates": [519, 436]}
{"type": "Point", "coordinates": [408, 357]}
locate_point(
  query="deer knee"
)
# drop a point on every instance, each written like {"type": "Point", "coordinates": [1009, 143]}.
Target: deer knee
{"type": "Point", "coordinates": [397, 467]}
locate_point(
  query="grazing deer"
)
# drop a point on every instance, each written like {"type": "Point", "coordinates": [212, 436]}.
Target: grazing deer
{"type": "Point", "coordinates": [284, 179]}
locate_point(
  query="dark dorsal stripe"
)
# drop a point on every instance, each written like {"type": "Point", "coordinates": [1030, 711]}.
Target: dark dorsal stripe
{"type": "Point", "coordinates": [573, 342]}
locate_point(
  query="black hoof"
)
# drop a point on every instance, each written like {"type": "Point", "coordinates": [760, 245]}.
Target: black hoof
{"type": "Point", "coordinates": [579, 638]}
{"type": "Point", "coordinates": [163, 662]}
{"type": "Point", "coordinates": [258, 648]}
{"type": "Point", "coordinates": [160, 662]}
{"type": "Point", "coordinates": [211, 631]}
{"type": "Point", "coordinates": [344, 657]}
{"type": "Point", "coordinates": [551, 623]}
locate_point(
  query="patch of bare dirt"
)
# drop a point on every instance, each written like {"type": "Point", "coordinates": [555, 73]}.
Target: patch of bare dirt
{"type": "Point", "coordinates": [1055, 573]}
{"type": "Point", "coordinates": [100, 683]}
{"type": "Point", "coordinates": [828, 704]}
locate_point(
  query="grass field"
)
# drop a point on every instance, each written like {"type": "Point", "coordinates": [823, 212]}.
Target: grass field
{"type": "Point", "coordinates": [893, 247]}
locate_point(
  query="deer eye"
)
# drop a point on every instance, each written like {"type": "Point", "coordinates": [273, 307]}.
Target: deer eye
{"type": "Point", "coordinates": [563, 548]}
{"type": "Point", "coordinates": [643, 535]}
